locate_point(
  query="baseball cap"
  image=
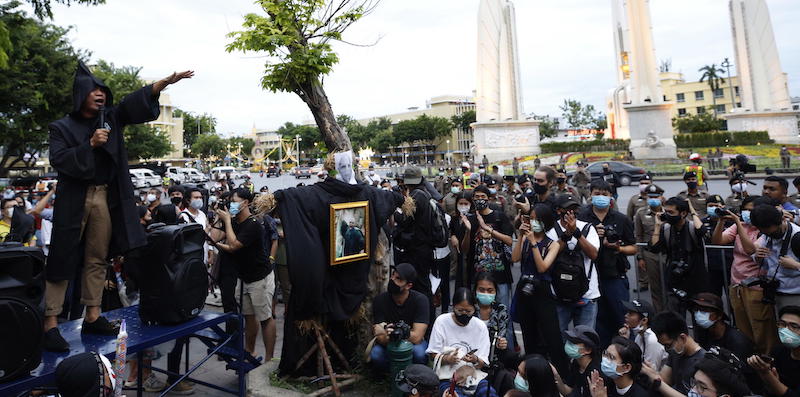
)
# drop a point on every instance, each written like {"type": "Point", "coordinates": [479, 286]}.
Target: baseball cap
{"type": "Point", "coordinates": [566, 200]}
{"type": "Point", "coordinates": [406, 272]}
{"type": "Point", "coordinates": [694, 156]}
{"type": "Point", "coordinates": [419, 377]}
{"type": "Point", "coordinates": [583, 334]}
{"type": "Point", "coordinates": [640, 306]}
{"type": "Point", "coordinates": [653, 191]}
{"type": "Point", "coordinates": [412, 176]}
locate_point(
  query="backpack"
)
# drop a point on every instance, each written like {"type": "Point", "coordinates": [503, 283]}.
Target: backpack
{"type": "Point", "coordinates": [570, 281]}
{"type": "Point", "coordinates": [440, 230]}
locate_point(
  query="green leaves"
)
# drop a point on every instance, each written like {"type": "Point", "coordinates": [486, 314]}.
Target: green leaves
{"type": "Point", "coordinates": [579, 116]}
{"type": "Point", "coordinates": [144, 141]}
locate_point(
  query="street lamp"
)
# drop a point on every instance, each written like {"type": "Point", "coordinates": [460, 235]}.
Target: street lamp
{"type": "Point", "coordinates": [448, 152]}
{"type": "Point", "coordinates": [727, 65]}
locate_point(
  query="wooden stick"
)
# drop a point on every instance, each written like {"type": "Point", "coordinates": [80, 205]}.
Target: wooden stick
{"type": "Point", "coordinates": [320, 371]}
{"type": "Point", "coordinates": [306, 356]}
{"type": "Point", "coordinates": [336, 350]}
{"type": "Point", "coordinates": [326, 359]}
{"type": "Point", "coordinates": [326, 377]}
{"type": "Point", "coordinates": [328, 389]}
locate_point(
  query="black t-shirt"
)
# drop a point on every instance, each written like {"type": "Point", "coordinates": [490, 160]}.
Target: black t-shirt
{"type": "Point", "coordinates": [683, 369]}
{"type": "Point", "coordinates": [413, 310]}
{"type": "Point", "coordinates": [577, 379]}
{"type": "Point", "coordinates": [636, 390]}
{"type": "Point", "coordinates": [413, 233]}
{"type": "Point", "coordinates": [250, 260]}
{"type": "Point", "coordinates": [788, 368]}
{"type": "Point", "coordinates": [490, 253]}
{"type": "Point", "coordinates": [610, 263]}
{"type": "Point", "coordinates": [733, 340]}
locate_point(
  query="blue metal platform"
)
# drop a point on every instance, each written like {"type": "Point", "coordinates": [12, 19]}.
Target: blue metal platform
{"type": "Point", "coordinates": [140, 337]}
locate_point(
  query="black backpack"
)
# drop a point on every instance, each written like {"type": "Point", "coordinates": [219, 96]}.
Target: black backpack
{"type": "Point", "coordinates": [570, 281]}
{"type": "Point", "coordinates": [174, 281]}
{"type": "Point", "coordinates": [440, 230]}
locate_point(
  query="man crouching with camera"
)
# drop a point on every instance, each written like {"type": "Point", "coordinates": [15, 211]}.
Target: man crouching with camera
{"type": "Point", "coordinates": [777, 250]}
{"type": "Point", "coordinates": [678, 234]}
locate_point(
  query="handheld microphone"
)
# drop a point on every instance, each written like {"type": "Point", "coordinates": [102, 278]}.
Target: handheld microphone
{"type": "Point", "coordinates": [103, 123]}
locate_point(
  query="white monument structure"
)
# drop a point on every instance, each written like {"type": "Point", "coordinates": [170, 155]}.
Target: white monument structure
{"type": "Point", "coordinates": [500, 132]}
{"type": "Point", "coordinates": [764, 89]}
{"type": "Point", "coordinates": [637, 108]}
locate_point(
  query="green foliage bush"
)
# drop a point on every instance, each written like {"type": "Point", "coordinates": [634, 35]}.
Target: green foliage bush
{"type": "Point", "coordinates": [721, 138]}
{"type": "Point", "coordinates": [595, 145]}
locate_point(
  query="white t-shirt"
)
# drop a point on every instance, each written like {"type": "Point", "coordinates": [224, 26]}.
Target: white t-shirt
{"type": "Point", "coordinates": [652, 351]}
{"type": "Point", "coordinates": [594, 239]}
{"type": "Point", "coordinates": [446, 333]}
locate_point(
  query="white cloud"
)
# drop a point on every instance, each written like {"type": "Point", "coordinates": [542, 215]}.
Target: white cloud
{"type": "Point", "coordinates": [427, 48]}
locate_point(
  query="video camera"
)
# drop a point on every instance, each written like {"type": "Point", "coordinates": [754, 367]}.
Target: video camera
{"type": "Point", "coordinates": [742, 164]}
{"type": "Point", "coordinates": [769, 285]}
{"type": "Point", "coordinates": [612, 236]}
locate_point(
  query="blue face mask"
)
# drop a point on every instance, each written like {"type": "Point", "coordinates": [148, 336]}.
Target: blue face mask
{"type": "Point", "coordinates": [455, 190]}
{"type": "Point", "coordinates": [492, 191]}
{"type": "Point", "coordinates": [573, 351]}
{"type": "Point", "coordinates": [520, 383]}
{"type": "Point", "coordinates": [712, 212]}
{"type": "Point", "coordinates": [485, 299]}
{"type": "Point", "coordinates": [601, 201]}
{"type": "Point", "coordinates": [654, 202]}
{"type": "Point", "coordinates": [703, 319]}
{"type": "Point", "coordinates": [746, 216]}
{"type": "Point", "coordinates": [609, 368]}
{"type": "Point", "coordinates": [235, 207]}
{"type": "Point", "coordinates": [789, 338]}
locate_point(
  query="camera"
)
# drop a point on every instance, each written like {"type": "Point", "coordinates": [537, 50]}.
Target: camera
{"type": "Point", "coordinates": [400, 331]}
{"type": "Point", "coordinates": [742, 164]}
{"type": "Point", "coordinates": [722, 211]}
{"type": "Point", "coordinates": [612, 236]}
{"type": "Point", "coordinates": [769, 285]}
{"type": "Point", "coordinates": [528, 283]}
{"type": "Point", "coordinates": [679, 268]}
{"type": "Point", "coordinates": [528, 195]}
{"type": "Point", "coordinates": [681, 294]}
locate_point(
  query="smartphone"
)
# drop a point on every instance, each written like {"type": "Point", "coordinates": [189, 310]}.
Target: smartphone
{"type": "Point", "coordinates": [767, 359]}
{"type": "Point", "coordinates": [526, 218]}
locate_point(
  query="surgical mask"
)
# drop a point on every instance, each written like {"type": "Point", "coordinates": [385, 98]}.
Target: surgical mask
{"type": "Point", "coordinates": [703, 319]}
{"type": "Point", "coordinates": [485, 299]}
{"type": "Point", "coordinates": [654, 202]}
{"type": "Point", "coordinates": [746, 216]}
{"type": "Point", "coordinates": [739, 187]}
{"type": "Point", "coordinates": [573, 351]}
{"type": "Point", "coordinates": [642, 187]}
{"type": "Point", "coordinates": [539, 189]}
{"type": "Point", "coordinates": [455, 190]}
{"type": "Point", "coordinates": [693, 393]}
{"type": "Point", "coordinates": [609, 368]}
{"type": "Point", "coordinates": [481, 171]}
{"type": "Point", "coordinates": [235, 207]}
{"type": "Point", "coordinates": [637, 329]}
{"type": "Point", "coordinates": [492, 191]}
{"type": "Point", "coordinates": [481, 204]}
{"type": "Point", "coordinates": [525, 172]}
{"type": "Point", "coordinates": [463, 319]}
{"type": "Point", "coordinates": [676, 351]}
{"type": "Point", "coordinates": [789, 338]}
{"type": "Point", "coordinates": [212, 199]}
{"type": "Point", "coordinates": [711, 211]}
{"type": "Point", "coordinates": [463, 209]}
{"type": "Point", "coordinates": [176, 200]}
{"type": "Point", "coordinates": [151, 198]}
{"type": "Point", "coordinates": [601, 201]}
{"type": "Point", "coordinates": [372, 173]}
{"type": "Point", "coordinates": [520, 383]}
{"type": "Point", "coordinates": [197, 204]}
{"type": "Point", "coordinates": [537, 226]}
{"type": "Point", "coordinates": [691, 185]}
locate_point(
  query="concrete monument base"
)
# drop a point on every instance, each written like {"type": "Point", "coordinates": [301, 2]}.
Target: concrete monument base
{"type": "Point", "coordinates": [781, 125]}
{"type": "Point", "coordinates": [651, 131]}
{"type": "Point", "coordinates": [504, 140]}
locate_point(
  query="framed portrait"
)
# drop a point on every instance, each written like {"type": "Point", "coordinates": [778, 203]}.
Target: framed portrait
{"type": "Point", "coordinates": [349, 232]}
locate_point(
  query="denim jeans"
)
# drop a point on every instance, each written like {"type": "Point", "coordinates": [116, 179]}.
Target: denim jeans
{"type": "Point", "coordinates": [380, 355]}
{"type": "Point", "coordinates": [504, 296]}
{"type": "Point", "coordinates": [579, 314]}
{"type": "Point", "coordinates": [611, 313]}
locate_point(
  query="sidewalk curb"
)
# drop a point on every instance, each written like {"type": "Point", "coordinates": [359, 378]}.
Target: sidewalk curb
{"type": "Point", "coordinates": [258, 383]}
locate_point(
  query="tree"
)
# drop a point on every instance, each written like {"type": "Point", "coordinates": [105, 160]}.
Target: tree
{"type": "Point", "coordinates": [208, 145]}
{"type": "Point", "coordinates": [247, 144]}
{"type": "Point", "coordinates": [423, 128]}
{"type": "Point", "coordinates": [36, 86]}
{"type": "Point", "coordinates": [195, 124]}
{"type": "Point", "coordinates": [712, 74]}
{"type": "Point", "coordinates": [579, 116]}
{"type": "Point", "coordinates": [702, 122]}
{"type": "Point", "coordinates": [296, 34]}
{"type": "Point", "coordinates": [383, 141]}
{"type": "Point", "coordinates": [464, 120]}
{"type": "Point", "coordinates": [548, 126]}
{"type": "Point", "coordinates": [361, 135]}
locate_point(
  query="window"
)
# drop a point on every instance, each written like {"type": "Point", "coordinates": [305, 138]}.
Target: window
{"type": "Point", "coordinates": [701, 110]}
{"type": "Point", "coordinates": [681, 111]}
{"type": "Point", "coordinates": [736, 89]}
{"type": "Point", "coordinates": [680, 97]}
{"type": "Point", "coordinates": [720, 108]}
{"type": "Point", "coordinates": [738, 104]}
{"type": "Point", "coordinates": [698, 96]}
{"type": "Point", "coordinates": [718, 93]}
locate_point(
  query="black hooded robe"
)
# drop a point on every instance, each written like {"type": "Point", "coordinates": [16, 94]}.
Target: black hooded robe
{"type": "Point", "coordinates": [332, 292]}
{"type": "Point", "coordinates": [74, 159]}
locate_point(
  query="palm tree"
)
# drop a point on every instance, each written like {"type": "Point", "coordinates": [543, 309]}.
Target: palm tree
{"type": "Point", "coordinates": [714, 76]}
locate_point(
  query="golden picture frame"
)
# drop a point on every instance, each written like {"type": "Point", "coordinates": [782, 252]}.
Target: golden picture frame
{"type": "Point", "coordinates": [349, 232]}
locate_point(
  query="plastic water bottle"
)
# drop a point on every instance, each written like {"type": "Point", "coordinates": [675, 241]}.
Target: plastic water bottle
{"type": "Point", "coordinates": [119, 366]}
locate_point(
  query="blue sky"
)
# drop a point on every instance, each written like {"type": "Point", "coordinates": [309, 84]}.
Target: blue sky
{"type": "Point", "coordinates": [426, 48]}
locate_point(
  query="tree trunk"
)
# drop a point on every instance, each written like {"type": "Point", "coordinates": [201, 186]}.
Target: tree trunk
{"type": "Point", "coordinates": [335, 137]}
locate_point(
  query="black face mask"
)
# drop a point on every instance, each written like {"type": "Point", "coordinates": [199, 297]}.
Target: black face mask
{"type": "Point", "coordinates": [691, 185]}
{"type": "Point", "coordinates": [481, 204]}
{"type": "Point", "coordinates": [176, 200]}
{"type": "Point", "coordinates": [671, 219]}
{"type": "Point", "coordinates": [463, 319]}
{"type": "Point", "coordinates": [539, 189]}
{"type": "Point", "coordinates": [393, 288]}
{"type": "Point", "coordinates": [561, 180]}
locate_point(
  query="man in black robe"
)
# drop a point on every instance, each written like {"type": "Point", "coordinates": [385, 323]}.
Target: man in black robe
{"type": "Point", "coordinates": [95, 215]}
{"type": "Point", "coordinates": [353, 239]}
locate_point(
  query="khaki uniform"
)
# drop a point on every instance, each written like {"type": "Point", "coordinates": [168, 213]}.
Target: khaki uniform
{"type": "Point", "coordinates": [566, 190]}
{"type": "Point", "coordinates": [734, 200]}
{"type": "Point", "coordinates": [699, 200]}
{"type": "Point", "coordinates": [644, 224]}
{"type": "Point", "coordinates": [635, 203]}
{"type": "Point", "coordinates": [450, 204]}
{"type": "Point", "coordinates": [581, 180]}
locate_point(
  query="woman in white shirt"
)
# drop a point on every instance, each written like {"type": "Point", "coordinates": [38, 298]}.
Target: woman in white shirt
{"type": "Point", "coordinates": [458, 337]}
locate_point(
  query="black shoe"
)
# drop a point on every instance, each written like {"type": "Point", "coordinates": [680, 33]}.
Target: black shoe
{"type": "Point", "coordinates": [101, 326]}
{"type": "Point", "coordinates": [54, 342]}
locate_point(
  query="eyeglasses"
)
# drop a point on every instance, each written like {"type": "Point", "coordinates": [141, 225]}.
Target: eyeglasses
{"type": "Point", "coordinates": [794, 327]}
{"type": "Point", "coordinates": [700, 387]}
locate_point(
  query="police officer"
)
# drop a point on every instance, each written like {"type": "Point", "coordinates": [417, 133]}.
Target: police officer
{"type": "Point", "coordinates": [561, 186]}
{"type": "Point", "coordinates": [581, 180]}
{"type": "Point", "coordinates": [639, 200]}
{"type": "Point", "coordinates": [649, 262]}
{"type": "Point", "coordinates": [698, 198]}
{"type": "Point", "coordinates": [417, 380]}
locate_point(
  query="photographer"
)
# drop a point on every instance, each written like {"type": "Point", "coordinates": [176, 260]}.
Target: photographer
{"type": "Point", "coordinates": [779, 370]}
{"type": "Point", "coordinates": [738, 191]}
{"type": "Point", "coordinates": [682, 242]}
{"type": "Point", "coordinates": [399, 303]}
{"type": "Point", "coordinates": [615, 231]}
{"type": "Point", "coordinates": [778, 250]}
{"type": "Point", "coordinates": [539, 190]}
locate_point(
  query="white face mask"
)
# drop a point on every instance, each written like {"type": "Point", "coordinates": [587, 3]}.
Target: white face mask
{"type": "Point", "coordinates": [197, 204]}
{"type": "Point", "coordinates": [642, 187]}
{"type": "Point", "coordinates": [151, 198]}
{"type": "Point", "coordinates": [212, 199]}
{"type": "Point", "coordinates": [464, 209]}
{"type": "Point", "coordinates": [739, 187]}
{"type": "Point", "coordinates": [10, 212]}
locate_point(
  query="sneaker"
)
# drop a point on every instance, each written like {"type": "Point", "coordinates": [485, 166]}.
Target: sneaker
{"type": "Point", "coordinates": [182, 388]}
{"type": "Point", "coordinates": [54, 342]}
{"type": "Point", "coordinates": [152, 384]}
{"type": "Point", "coordinates": [100, 326]}
{"type": "Point", "coordinates": [214, 299]}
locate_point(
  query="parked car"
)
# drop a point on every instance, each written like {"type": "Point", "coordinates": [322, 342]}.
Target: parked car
{"type": "Point", "coordinates": [195, 175]}
{"type": "Point", "coordinates": [626, 173]}
{"type": "Point", "coordinates": [176, 174]}
{"type": "Point", "coordinates": [273, 170]}
{"type": "Point", "coordinates": [220, 172]}
{"type": "Point", "coordinates": [302, 172]}
{"type": "Point", "coordinates": [143, 177]}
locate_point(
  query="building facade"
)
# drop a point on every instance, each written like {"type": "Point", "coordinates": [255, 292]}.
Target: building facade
{"type": "Point", "coordinates": [170, 125]}
{"type": "Point", "coordinates": [265, 141]}
{"type": "Point", "coordinates": [695, 97]}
